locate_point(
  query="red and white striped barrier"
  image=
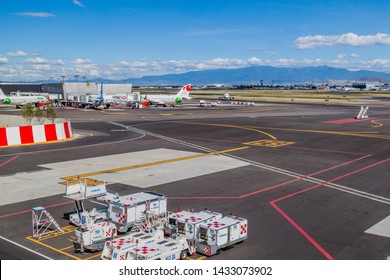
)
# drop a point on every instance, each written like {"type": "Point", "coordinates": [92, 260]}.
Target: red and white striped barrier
{"type": "Point", "coordinates": [35, 134]}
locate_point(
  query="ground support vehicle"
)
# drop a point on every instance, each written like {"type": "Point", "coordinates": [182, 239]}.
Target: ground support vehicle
{"type": "Point", "coordinates": [129, 209]}
{"type": "Point", "coordinates": [221, 234]}
{"type": "Point", "coordinates": [87, 218]}
{"type": "Point", "coordinates": [118, 248]}
{"type": "Point", "coordinates": [166, 249]}
{"type": "Point", "coordinates": [79, 190]}
{"type": "Point", "coordinates": [186, 223]}
{"type": "Point", "coordinates": [93, 237]}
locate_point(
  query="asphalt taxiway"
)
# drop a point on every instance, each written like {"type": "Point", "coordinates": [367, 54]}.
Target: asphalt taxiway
{"type": "Point", "coordinates": [311, 180]}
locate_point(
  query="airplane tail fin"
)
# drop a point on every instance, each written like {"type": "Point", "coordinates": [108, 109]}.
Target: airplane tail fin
{"type": "Point", "coordinates": [101, 90]}
{"type": "Point", "coordinates": [184, 92]}
{"type": "Point", "coordinates": [2, 94]}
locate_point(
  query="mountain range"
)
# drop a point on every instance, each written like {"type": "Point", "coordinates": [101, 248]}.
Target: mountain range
{"type": "Point", "coordinates": [258, 74]}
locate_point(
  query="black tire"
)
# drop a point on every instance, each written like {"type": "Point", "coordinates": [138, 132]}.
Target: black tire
{"type": "Point", "coordinates": [183, 255]}
{"type": "Point", "coordinates": [218, 251]}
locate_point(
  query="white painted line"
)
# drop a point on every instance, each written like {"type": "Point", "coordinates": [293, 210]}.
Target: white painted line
{"type": "Point", "coordinates": [25, 248]}
{"type": "Point", "coordinates": [382, 228]}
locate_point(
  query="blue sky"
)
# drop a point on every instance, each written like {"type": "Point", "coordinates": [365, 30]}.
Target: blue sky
{"type": "Point", "coordinates": [120, 39]}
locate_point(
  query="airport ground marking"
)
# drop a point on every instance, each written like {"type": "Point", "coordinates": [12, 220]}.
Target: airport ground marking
{"type": "Point", "coordinates": [8, 161]}
{"type": "Point", "coordinates": [153, 163]}
{"type": "Point", "coordinates": [300, 229]}
{"type": "Point", "coordinates": [231, 126]}
{"type": "Point", "coordinates": [25, 248]}
{"type": "Point", "coordinates": [67, 248]}
{"type": "Point", "coordinates": [29, 210]}
{"type": "Point", "coordinates": [378, 123]}
{"type": "Point", "coordinates": [353, 134]}
{"type": "Point", "coordinates": [52, 248]}
{"type": "Point", "coordinates": [298, 177]}
{"type": "Point", "coordinates": [269, 143]}
{"type": "Point", "coordinates": [264, 109]}
{"type": "Point", "coordinates": [94, 256]}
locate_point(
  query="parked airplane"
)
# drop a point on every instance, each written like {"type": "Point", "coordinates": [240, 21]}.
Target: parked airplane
{"type": "Point", "coordinates": [226, 96]}
{"type": "Point", "coordinates": [20, 101]}
{"type": "Point", "coordinates": [168, 99]}
{"type": "Point", "coordinates": [100, 101]}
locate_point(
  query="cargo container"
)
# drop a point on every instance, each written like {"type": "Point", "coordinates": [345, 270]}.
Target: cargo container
{"type": "Point", "coordinates": [220, 234]}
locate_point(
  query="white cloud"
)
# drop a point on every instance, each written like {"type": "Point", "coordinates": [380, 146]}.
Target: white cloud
{"type": "Point", "coordinates": [86, 67]}
{"type": "Point", "coordinates": [3, 60]}
{"type": "Point", "coordinates": [343, 55]}
{"type": "Point", "coordinates": [17, 54]}
{"type": "Point", "coordinates": [36, 60]}
{"type": "Point", "coordinates": [272, 53]}
{"type": "Point", "coordinates": [78, 3]}
{"type": "Point", "coordinates": [348, 39]}
{"type": "Point", "coordinates": [36, 68]}
{"type": "Point", "coordinates": [255, 61]}
{"type": "Point", "coordinates": [81, 61]}
{"type": "Point", "coordinates": [40, 60]}
{"type": "Point", "coordinates": [32, 14]}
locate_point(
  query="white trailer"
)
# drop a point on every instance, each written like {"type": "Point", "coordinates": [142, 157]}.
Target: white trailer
{"type": "Point", "coordinates": [220, 234]}
{"type": "Point", "coordinates": [186, 224]}
{"type": "Point", "coordinates": [118, 248]}
{"type": "Point", "coordinates": [166, 249]}
{"type": "Point", "coordinates": [93, 237]}
{"type": "Point", "coordinates": [129, 209]}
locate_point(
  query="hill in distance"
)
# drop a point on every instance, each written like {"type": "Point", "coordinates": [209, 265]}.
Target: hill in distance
{"type": "Point", "coordinates": [255, 74]}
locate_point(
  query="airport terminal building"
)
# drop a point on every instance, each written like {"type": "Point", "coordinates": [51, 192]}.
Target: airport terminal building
{"type": "Point", "coordinates": [66, 91]}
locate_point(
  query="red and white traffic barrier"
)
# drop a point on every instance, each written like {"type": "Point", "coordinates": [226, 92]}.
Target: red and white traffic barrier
{"type": "Point", "coordinates": [35, 134]}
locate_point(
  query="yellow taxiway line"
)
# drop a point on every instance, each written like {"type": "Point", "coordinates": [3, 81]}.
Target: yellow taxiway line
{"type": "Point", "coordinates": [52, 248]}
{"type": "Point", "coordinates": [151, 164]}
{"type": "Point", "coordinates": [354, 134]}
{"type": "Point", "coordinates": [257, 129]}
{"type": "Point", "coordinates": [232, 126]}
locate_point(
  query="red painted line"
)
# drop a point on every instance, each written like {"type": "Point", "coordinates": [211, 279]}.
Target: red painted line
{"type": "Point", "coordinates": [303, 232]}
{"type": "Point", "coordinates": [294, 224]}
{"type": "Point", "coordinates": [8, 161]}
{"type": "Point", "coordinates": [321, 150]}
{"type": "Point", "coordinates": [203, 197]}
{"type": "Point", "coordinates": [349, 120]}
{"type": "Point", "coordinates": [332, 180]}
{"type": "Point", "coordinates": [28, 211]}
{"type": "Point", "coordinates": [304, 177]}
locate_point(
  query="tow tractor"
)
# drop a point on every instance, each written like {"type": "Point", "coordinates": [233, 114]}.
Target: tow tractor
{"type": "Point", "coordinates": [93, 237]}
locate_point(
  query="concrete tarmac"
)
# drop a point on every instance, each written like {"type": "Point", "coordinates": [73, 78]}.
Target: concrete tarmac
{"type": "Point", "coordinates": [311, 180]}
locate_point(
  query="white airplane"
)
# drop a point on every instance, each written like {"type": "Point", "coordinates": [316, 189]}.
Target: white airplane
{"type": "Point", "coordinates": [99, 102]}
{"type": "Point", "coordinates": [226, 96]}
{"type": "Point", "coordinates": [168, 99]}
{"type": "Point", "coordinates": [19, 101]}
